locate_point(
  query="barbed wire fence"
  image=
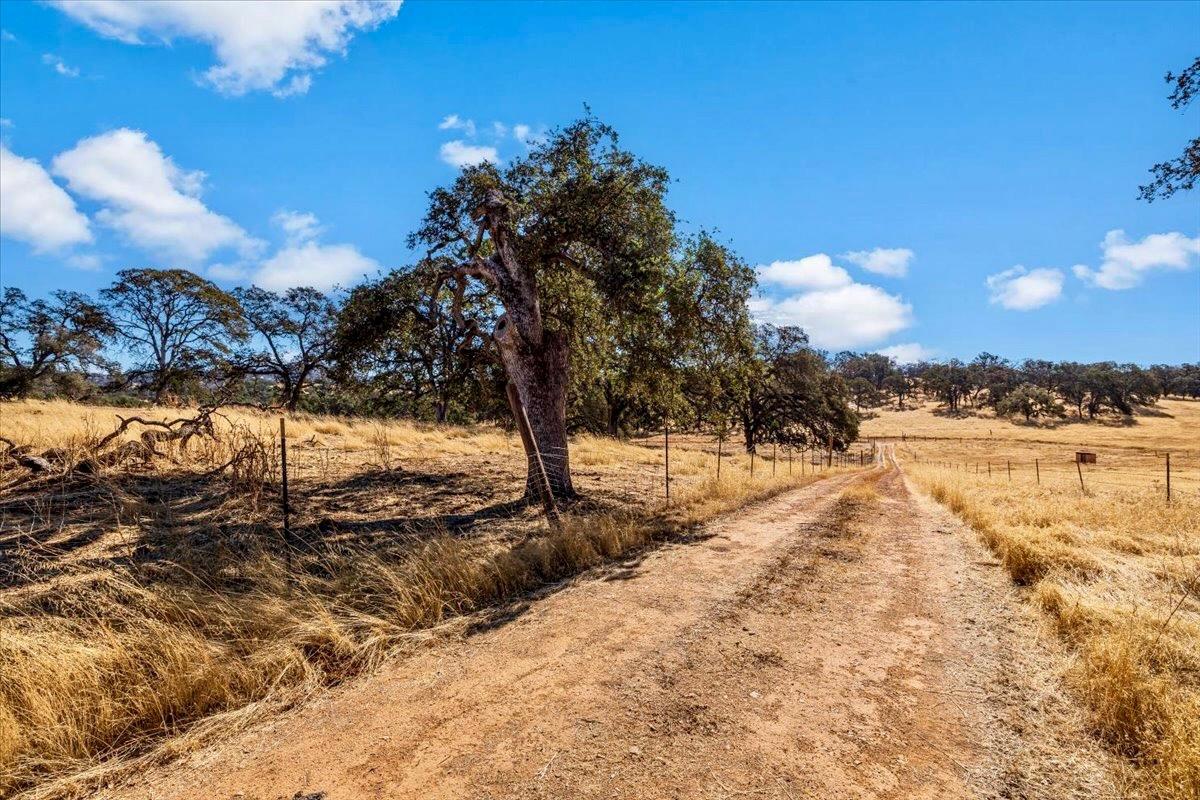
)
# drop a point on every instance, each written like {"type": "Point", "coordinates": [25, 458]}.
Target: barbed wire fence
{"type": "Point", "coordinates": [1173, 474]}
{"type": "Point", "coordinates": [546, 467]}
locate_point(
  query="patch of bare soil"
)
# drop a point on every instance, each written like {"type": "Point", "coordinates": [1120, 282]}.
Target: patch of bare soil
{"type": "Point", "coordinates": [807, 647]}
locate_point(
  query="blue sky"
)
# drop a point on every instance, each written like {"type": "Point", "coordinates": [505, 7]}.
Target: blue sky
{"type": "Point", "coordinates": [989, 152]}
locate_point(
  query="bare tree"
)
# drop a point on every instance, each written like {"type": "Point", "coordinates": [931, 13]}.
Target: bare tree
{"type": "Point", "coordinates": [181, 324]}
{"type": "Point", "coordinates": [41, 338]}
{"type": "Point", "coordinates": [297, 331]}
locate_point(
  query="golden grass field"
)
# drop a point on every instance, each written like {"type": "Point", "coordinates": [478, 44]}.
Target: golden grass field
{"type": "Point", "coordinates": [146, 609]}
{"type": "Point", "coordinates": [1115, 568]}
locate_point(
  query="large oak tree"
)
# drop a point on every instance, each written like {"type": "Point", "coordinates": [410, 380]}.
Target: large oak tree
{"type": "Point", "coordinates": [577, 224]}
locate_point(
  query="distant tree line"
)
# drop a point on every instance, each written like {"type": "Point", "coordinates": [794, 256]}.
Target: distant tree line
{"type": "Point", "coordinates": [1031, 388]}
{"type": "Point", "coordinates": [392, 348]}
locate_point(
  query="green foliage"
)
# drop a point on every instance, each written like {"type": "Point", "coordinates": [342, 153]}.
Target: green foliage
{"type": "Point", "coordinates": [398, 343]}
{"type": "Point", "coordinates": [1178, 174]}
{"type": "Point", "coordinates": [641, 310]}
{"type": "Point", "coordinates": [790, 396]}
{"type": "Point", "coordinates": [1030, 401]}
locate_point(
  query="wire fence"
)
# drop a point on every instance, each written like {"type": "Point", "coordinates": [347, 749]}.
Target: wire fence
{"type": "Point", "coordinates": [1173, 475]}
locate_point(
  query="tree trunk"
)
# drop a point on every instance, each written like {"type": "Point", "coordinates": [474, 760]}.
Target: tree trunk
{"type": "Point", "coordinates": [535, 359]}
{"type": "Point", "coordinates": [291, 394]}
{"type": "Point", "coordinates": [616, 414]}
{"type": "Point", "coordinates": [540, 375]}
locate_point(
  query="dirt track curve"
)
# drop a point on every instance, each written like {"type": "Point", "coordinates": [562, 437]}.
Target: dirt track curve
{"type": "Point", "coordinates": [789, 651]}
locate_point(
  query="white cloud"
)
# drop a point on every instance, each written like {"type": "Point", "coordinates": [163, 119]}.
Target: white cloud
{"type": "Point", "coordinates": [299, 84]}
{"type": "Point", "coordinates": [36, 210]}
{"type": "Point", "coordinates": [458, 153]}
{"type": "Point", "coordinates": [226, 272]}
{"type": "Point", "coordinates": [311, 264]}
{"type": "Point", "coordinates": [1126, 263]}
{"type": "Point", "coordinates": [526, 135]}
{"type": "Point", "coordinates": [59, 66]}
{"type": "Point", "coordinates": [270, 45]}
{"type": "Point", "coordinates": [85, 261]}
{"type": "Point", "coordinates": [453, 122]}
{"type": "Point", "coordinates": [890, 261]}
{"type": "Point", "coordinates": [149, 199]}
{"type": "Point", "coordinates": [907, 353]}
{"type": "Point", "coordinates": [5, 122]}
{"type": "Point", "coordinates": [1019, 289]}
{"type": "Point", "coordinates": [297, 226]}
{"type": "Point", "coordinates": [839, 318]}
{"type": "Point", "coordinates": [303, 261]}
{"type": "Point", "coordinates": [6, 36]}
{"type": "Point", "coordinates": [812, 272]}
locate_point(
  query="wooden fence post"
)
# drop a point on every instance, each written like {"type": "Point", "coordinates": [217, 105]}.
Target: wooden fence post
{"type": "Point", "coordinates": [1168, 477]}
{"type": "Point", "coordinates": [772, 459]}
{"type": "Point", "coordinates": [1038, 469]}
{"type": "Point", "coordinates": [667, 457]}
{"type": "Point", "coordinates": [1079, 469]}
{"type": "Point", "coordinates": [1009, 463]}
{"type": "Point", "coordinates": [752, 463]}
{"type": "Point", "coordinates": [287, 527]}
{"type": "Point", "coordinates": [719, 440]}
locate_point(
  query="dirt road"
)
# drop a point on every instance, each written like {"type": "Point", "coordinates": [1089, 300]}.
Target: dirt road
{"type": "Point", "coordinates": [804, 648]}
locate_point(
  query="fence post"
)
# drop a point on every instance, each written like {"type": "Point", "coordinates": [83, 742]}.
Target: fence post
{"type": "Point", "coordinates": [1038, 469]}
{"type": "Point", "coordinates": [772, 459]}
{"type": "Point", "coordinates": [287, 527]}
{"type": "Point", "coordinates": [1168, 477]}
{"type": "Point", "coordinates": [1079, 469]}
{"type": "Point", "coordinates": [989, 469]}
{"type": "Point", "coordinates": [752, 463]}
{"type": "Point", "coordinates": [790, 459]}
{"type": "Point", "coordinates": [719, 440]}
{"type": "Point", "coordinates": [1009, 463]}
{"type": "Point", "coordinates": [667, 457]}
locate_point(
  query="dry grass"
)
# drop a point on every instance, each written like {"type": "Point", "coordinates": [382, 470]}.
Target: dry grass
{"type": "Point", "coordinates": [1169, 425]}
{"type": "Point", "coordinates": [1115, 568]}
{"type": "Point", "coordinates": [150, 612]}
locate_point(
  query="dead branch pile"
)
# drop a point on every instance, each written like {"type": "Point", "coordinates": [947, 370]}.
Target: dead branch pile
{"type": "Point", "coordinates": [110, 452]}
